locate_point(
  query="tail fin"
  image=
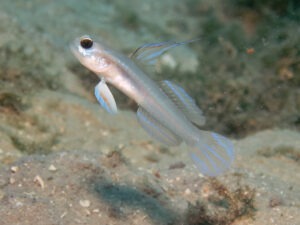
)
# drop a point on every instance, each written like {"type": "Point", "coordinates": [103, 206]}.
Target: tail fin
{"type": "Point", "coordinates": [212, 154]}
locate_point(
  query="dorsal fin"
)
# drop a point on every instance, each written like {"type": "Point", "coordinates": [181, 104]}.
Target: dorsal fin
{"type": "Point", "coordinates": [183, 101]}
{"type": "Point", "coordinates": [148, 53]}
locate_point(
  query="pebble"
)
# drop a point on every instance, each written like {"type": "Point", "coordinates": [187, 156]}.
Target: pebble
{"type": "Point", "coordinates": [14, 169]}
{"type": "Point", "coordinates": [12, 180]}
{"type": "Point", "coordinates": [87, 212]}
{"type": "Point", "coordinates": [52, 168]}
{"type": "Point", "coordinates": [39, 180]}
{"type": "Point", "coordinates": [96, 210]}
{"type": "Point", "coordinates": [85, 203]}
{"type": "Point", "coordinates": [63, 215]}
{"type": "Point", "coordinates": [187, 191]}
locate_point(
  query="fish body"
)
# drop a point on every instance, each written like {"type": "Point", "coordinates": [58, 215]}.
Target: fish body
{"type": "Point", "coordinates": [132, 81]}
{"type": "Point", "coordinates": [165, 111]}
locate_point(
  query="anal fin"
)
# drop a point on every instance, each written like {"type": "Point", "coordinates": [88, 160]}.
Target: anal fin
{"type": "Point", "coordinates": [157, 130]}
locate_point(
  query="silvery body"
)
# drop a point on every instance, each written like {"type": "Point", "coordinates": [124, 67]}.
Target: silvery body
{"type": "Point", "coordinates": [158, 111]}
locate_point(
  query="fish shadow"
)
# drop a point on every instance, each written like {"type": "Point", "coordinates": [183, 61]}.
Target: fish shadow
{"type": "Point", "coordinates": [120, 198]}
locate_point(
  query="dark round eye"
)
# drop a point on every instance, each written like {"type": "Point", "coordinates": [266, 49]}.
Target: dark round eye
{"type": "Point", "coordinates": [86, 42]}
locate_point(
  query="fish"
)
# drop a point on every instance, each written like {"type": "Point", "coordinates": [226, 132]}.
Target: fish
{"type": "Point", "coordinates": [165, 110]}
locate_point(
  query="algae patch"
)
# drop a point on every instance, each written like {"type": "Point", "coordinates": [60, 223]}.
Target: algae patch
{"type": "Point", "coordinates": [223, 206]}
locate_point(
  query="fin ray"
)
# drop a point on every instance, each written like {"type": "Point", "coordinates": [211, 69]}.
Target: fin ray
{"type": "Point", "coordinates": [105, 97]}
{"type": "Point", "coordinates": [213, 154]}
{"type": "Point", "coordinates": [183, 101]}
{"type": "Point", "coordinates": [148, 53]}
{"type": "Point", "coordinates": [156, 130]}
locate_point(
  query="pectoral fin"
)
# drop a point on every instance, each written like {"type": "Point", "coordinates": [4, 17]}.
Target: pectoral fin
{"type": "Point", "coordinates": [157, 130]}
{"type": "Point", "coordinates": [105, 97]}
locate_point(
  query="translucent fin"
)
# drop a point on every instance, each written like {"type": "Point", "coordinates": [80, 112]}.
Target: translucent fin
{"type": "Point", "coordinates": [213, 154]}
{"type": "Point", "coordinates": [105, 97]}
{"type": "Point", "coordinates": [148, 53]}
{"type": "Point", "coordinates": [156, 130]}
{"type": "Point", "coordinates": [184, 102]}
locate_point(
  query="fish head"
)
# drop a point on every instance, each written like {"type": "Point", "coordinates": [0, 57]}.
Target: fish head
{"type": "Point", "coordinates": [91, 54]}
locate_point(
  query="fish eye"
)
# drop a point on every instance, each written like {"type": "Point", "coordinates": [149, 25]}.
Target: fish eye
{"type": "Point", "coordinates": [86, 42]}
